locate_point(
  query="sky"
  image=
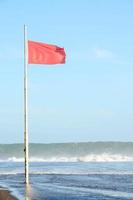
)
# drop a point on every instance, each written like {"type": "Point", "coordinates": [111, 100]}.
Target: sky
{"type": "Point", "coordinates": [90, 98]}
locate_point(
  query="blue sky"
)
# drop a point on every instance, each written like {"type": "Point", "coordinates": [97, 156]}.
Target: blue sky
{"type": "Point", "coordinates": [90, 98]}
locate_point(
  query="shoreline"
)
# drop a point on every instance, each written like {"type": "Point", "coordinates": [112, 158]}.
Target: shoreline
{"type": "Point", "coordinates": [5, 194]}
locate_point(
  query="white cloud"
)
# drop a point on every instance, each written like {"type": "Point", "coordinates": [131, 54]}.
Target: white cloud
{"type": "Point", "coordinates": [107, 55]}
{"type": "Point", "coordinates": [101, 53]}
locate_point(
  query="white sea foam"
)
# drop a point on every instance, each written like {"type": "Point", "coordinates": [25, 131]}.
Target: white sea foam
{"type": "Point", "coordinates": [70, 172]}
{"type": "Point", "coordinates": [105, 157]}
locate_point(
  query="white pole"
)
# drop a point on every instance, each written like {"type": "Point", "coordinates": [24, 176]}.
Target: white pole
{"type": "Point", "coordinates": [26, 147]}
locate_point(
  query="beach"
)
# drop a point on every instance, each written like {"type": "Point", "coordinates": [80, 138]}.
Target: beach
{"type": "Point", "coordinates": [6, 195]}
{"type": "Point", "coordinates": [69, 180]}
{"type": "Point", "coordinates": [73, 171]}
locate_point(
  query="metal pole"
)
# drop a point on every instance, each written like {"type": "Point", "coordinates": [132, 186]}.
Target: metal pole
{"type": "Point", "coordinates": [26, 147]}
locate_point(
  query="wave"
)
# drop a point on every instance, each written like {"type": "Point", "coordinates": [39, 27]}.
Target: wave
{"type": "Point", "coordinates": [69, 173]}
{"type": "Point", "coordinates": [69, 152]}
{"type": "Point", "coordinates": [87, 158]}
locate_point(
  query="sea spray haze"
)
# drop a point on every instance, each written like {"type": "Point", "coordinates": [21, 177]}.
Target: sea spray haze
{"type": "Point", "coordinates": [70, 152]}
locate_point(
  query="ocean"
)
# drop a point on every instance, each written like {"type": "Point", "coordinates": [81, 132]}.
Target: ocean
{"type": "Point", "coordinates": [70, 171]}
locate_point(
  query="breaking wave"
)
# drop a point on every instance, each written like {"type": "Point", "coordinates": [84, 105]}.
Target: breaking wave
{"type": "Point", "coordinates": [88, 158]}
{"type": "Point", "coordinates": [70, 152]}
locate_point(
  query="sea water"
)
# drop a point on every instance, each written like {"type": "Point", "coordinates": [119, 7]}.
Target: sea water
{"type": "Point", "coordinates": [81, 171]}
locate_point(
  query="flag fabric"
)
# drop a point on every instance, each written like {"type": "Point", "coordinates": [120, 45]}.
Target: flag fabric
{"type": "Point", "coordinates": [41, 53]}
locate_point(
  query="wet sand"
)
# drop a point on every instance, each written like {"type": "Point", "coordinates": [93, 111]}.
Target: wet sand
{"type": "Point", "coordinates": [6, 195]}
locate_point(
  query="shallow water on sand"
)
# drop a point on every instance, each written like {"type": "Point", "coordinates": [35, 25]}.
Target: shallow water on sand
{"type": "Point", "coordinates": [70, 180]}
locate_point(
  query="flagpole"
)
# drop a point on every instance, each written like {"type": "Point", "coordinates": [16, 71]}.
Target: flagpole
{"type": "Point", "coordinates": [26, 145]}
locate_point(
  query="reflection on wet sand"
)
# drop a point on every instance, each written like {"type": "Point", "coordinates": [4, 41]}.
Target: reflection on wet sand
{"type": "Point", "coordinates": [28, 192]}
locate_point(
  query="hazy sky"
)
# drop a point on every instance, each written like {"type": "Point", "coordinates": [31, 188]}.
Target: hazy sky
{"type": "Point", "coordinates": [89, 98]}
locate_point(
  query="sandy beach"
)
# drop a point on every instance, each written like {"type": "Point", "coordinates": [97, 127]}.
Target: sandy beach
{"type": "Point", "coordinates": [6, 195]}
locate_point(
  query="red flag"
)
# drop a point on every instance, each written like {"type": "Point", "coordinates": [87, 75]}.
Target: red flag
{"type": "Point", "coordinates": [41, 53]}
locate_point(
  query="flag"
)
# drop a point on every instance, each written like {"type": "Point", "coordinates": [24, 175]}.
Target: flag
{"type": "Point", "coordinates": [41, 53]}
